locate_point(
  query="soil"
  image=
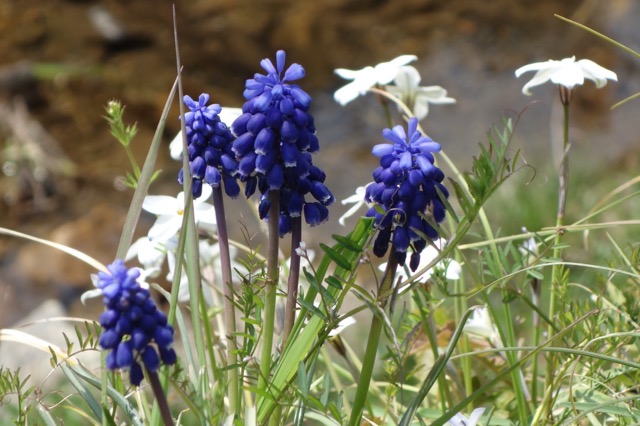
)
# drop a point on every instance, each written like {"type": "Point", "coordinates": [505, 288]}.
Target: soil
{"type": "Point", "coordinates": [61, 66]}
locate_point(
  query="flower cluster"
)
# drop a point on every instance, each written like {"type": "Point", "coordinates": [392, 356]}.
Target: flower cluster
{"type": "Point", "coordinates": [209, 143]}
{"type": "Point", "coordinates": [135, 331]}
{"type": "Point", "coordinates": [406, 191]}
{"type": "Point", "coordinates": [275, 140]}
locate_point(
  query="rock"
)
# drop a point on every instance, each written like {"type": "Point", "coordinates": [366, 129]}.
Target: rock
{"type": "Point", "coordinates": [24, 345]}
{"type": "Point", "coordinates": [96, 234]}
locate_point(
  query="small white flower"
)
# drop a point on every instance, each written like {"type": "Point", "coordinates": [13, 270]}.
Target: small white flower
{"type": "Point", "coordinates": [357, 200]}
{"type": "Point", "coordinates": [452, 268]}
{"type": "Point", "coordinates": [407, 88]}
{"type": "Point", "coordinates": [367, 77]}
{"type": "Point", "coordinates": [341, 326]}
{"type": "Point", "coordinates": [227, 116]}
{"type": "Point", "coordinates": [170, 210]}
{"type": "Point", "coordinates": [210, 271]}
{"type": "Point", "coordinates": [301, 249]}
{"type": "Point", "coordinates": [150, 253]}
{"type": "Point", "coordinates": [567, 73]}
{"type": "Point", "coordinates": [480, 325]}
{"type": "Point", "coordinates": [529, 247]}
{"type": "Point", "coordinates": [462, 420]}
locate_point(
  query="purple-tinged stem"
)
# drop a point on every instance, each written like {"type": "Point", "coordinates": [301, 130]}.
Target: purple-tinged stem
{"type": "Point", "coordinates": [161, 398]}
{"type": "Point", "coordinates": [229, 306]}
{"type": "Point", "coordinates": [294, 278]}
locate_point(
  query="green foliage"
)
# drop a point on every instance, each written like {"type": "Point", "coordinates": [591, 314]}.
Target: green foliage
{"type": "Point", "coordinates": [124, 134]}
{"type": "Point", "coordinates": [14, 386]}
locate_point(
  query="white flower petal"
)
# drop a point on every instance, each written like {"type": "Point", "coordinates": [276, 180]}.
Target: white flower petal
{"type": "Point", "coordinates": [475, 416]}
{"type": "Point", "coordinates": [367, 77]}
{"type": "Point", "coordinates": [341, 326]}
{"type": "Point", "coordinates": [347, 93]}
{"type": "Point", "coordinates": [454, 270]}
{"type": "Point", "coordinates": [159, 204]}
{"type": "Point", "coordinates": [597, 73]}
{"type": "Point", "coordinates": [567, 73]}
{"type": "Point", "coordinates": [165, 228]}
{"type": "Point", "coordinates": [421, 110]}
{"type": "Point", "coordinates": [539, 78]}
{"type": "Point", "coordinates": [407, 79]}
{"type": "Point", "coordinates": [349, 74]}
{"type": "Point", "coordinates": [537, 66]}
{"type": "Point", "coordinates": [207, 191]}
{"type": "Point", "coordinates": [350, 212]}
{"type": "Point", "coordinates": [228, 115]}
{"type": "Point", "coordinates": [433, 95]}
{"type": "Point", "coordinates": [403, 60]}
{"type": "Point", "coordinates": [385, 72]}
{"type": "Point", "coordinates": [175, 147]}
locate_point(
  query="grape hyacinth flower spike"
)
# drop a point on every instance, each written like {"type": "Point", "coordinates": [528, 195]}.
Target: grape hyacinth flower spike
{"type": "Point", "coordinates": [406, 193]}
{"type": "Point", "coordinates": [134, 332]}
{"type": "Point", "coordinates": [275, 140]}
{"type": "Point", "coordinates": [209, 143]}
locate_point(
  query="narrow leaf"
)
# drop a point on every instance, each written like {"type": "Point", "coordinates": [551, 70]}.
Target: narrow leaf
{"type": "Point", "coordinates": [338, 258]}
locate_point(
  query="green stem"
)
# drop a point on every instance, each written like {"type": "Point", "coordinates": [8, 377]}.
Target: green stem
{"type": "Point", "coordinates": [460, 309]}
{"type": "Point", "coordinates": [371, 350]}
{"type": "Point", "coordinates": [486, 226]}
{"type": "Point", "coordinates": [512, 359]}
{"type": "Point", "coordinates": [229, 305]}
{"type": "Point", "coordinates": [445, 395]}
{"type": "Point", "coordinates": [270, 289]}
{"type": "Point", "coordinates": [556, 269]}
{"type": "Point", "coordinates": [133, 162]}
{"type": "Point", "coordinates": [294, 278]}
{"type": "Point", "coordinates": [535, 285]}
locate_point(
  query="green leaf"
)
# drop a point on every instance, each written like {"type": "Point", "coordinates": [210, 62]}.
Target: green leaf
{"type": "Point", "coordinates": [128, 409]}
{"type": "Point", "coordinates": [347, 243]}
{"type": "Point", "coordinates": [144, 181]}
{"type": "Point", "coordinates": [335, 255]}
{"type": "Point", "coordinates": [303, 384]}
{"type": "Point", "coordinates": [45, 415]}
{"type": "Point", "coordinates": [311, 308]}
{"type": "Point", "coordinates": [334, 282]}
{"type": "Point", "coordinates": [435, 372]}
{"type": "Point", "coordinates": [83, 391]}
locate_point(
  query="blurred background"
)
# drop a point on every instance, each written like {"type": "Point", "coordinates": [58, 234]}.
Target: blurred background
{"type": "Point", "coordinates": [61, 61]}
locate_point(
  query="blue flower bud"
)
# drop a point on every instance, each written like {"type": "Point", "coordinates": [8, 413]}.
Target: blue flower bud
{"type": "Point", "coordinates": [109, 339]}
{"type": "Point", "coordinates": [136, 374]}
{"type": "Point", "coordinates": [163, 335]}
{"type": "Point", "coordinates": [124, 354]}
{"type": "Point", "coordinates": [150, 358]}
{"type": "Point", "coordinates": [109, 318]}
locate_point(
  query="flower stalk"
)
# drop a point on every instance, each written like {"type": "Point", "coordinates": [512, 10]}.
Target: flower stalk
{"type": "Point", "coordinates": [377, 323]}
{"type": "Point", "coordinates": [161, 398]}
{"type": "Point", "coordinates": [294, 278]}
{"type": "Point", "coordinates": [556, 271]}
{"type": "Point", "coordinates": [229, 305]}
{"type": "Point", "coordinates": [270, 290]}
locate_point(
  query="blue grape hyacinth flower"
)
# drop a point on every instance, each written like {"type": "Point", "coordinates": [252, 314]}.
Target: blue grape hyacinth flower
{"type": "Point", "coordinates": [275, 140]}
{"type": "Point", "coordinates": [134, 332]}
{"type": "Point", "coordinates": [406, 193]}
{"type": "Point", "coordinates": [209, 142]}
